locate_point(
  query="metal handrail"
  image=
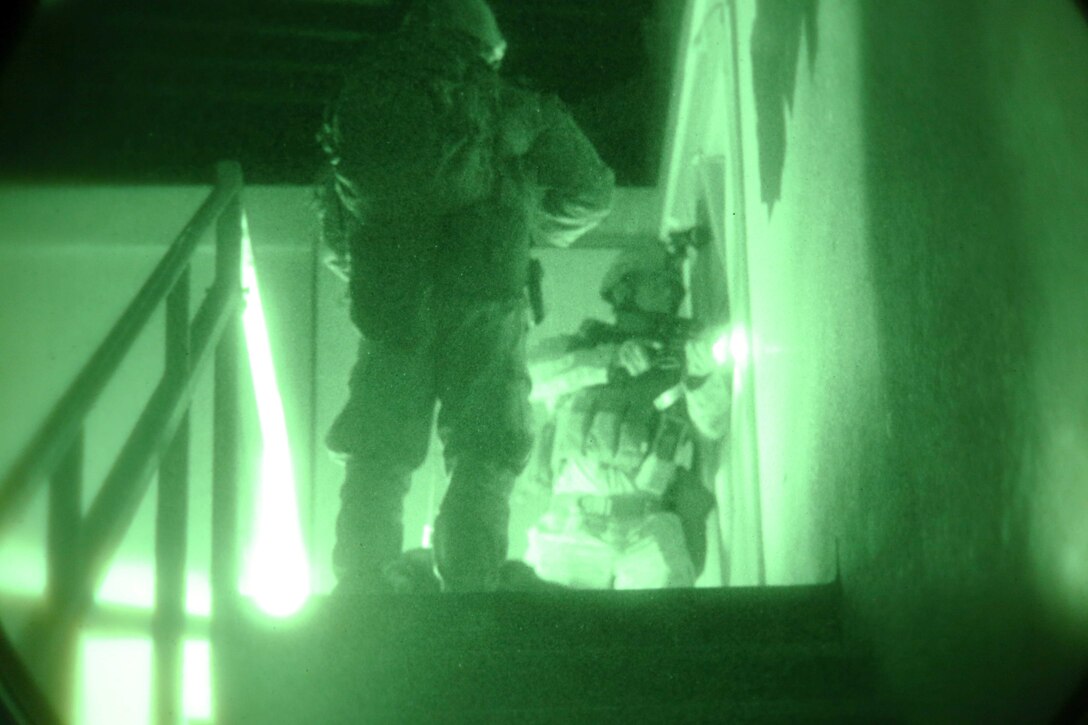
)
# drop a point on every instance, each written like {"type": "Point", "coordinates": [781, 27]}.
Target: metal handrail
{"type": "Point", "coordinates": [80, 547]}
{"type": "Point", "coordinates": [117, 502]}
{"type": "Point", "coordinates": [46, 450]}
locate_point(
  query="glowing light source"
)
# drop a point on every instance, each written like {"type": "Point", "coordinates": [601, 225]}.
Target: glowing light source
{"type": "Point", "coordinates": [114, 680]}
{"type": "Point", "coordinates": [738, 346]}
{"type": "Point", "coordinates": [721, 349]}
{"type": "Point", "coordinates": [731, 346]}
{"type": "Point", "coordinates": [196, 690]}
{"type": "Point", "coordinates": [277, 571]}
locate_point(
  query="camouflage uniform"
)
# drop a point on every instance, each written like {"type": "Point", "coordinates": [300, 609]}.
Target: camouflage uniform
{"type": "Point", "coordinates": [442, 176]}
{"type": "Point", "coordinates": [628, 509]}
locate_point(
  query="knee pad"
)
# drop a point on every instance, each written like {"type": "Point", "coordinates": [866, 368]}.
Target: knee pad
{"type": "Point", "coordinates": [571, 558]}
{"type": "Point", "coordinates": [656, 557]}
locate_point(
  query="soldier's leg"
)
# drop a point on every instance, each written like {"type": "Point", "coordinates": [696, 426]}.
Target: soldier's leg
{"type": "Point", "coordinates": [562, 552]}
{"type": "Point", "coordinates": [656, 556]}
{"type": "Point", "coordinates": [382, 436]}
{"type": "Point", "coordinates": [484, 424]}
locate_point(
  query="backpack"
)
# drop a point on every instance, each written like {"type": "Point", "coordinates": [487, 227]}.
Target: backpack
{"type": "Point", "coordinates": [411, 137]}
{"type": "Point", "coordinates": [413, 129]}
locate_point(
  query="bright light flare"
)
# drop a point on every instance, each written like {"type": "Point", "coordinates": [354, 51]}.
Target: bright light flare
{"type": "Point", "coordinates": [277, 571]}
{"type": "Point", "coordinates": [739, 347]}
{"type": "Point", "coordinates": [731, 346]}
{"type": "Point", "coordinates": [114, 680]}
{"type": "Point", "coordinates": [721, 349]}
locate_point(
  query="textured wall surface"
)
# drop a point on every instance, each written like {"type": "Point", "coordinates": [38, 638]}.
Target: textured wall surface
{"type": "Point", "coordinates": [918, 297]}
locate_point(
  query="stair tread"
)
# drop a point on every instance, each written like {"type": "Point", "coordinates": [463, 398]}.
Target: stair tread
{"type": "Point", "coordinates": [561, 618]}
{"type": "Point", "coordinates": [547, 656]}
{"type": "Point", "coordinates": [839, 711]}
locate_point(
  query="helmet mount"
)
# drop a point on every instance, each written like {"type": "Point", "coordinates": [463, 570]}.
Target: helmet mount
{"type": "Point", "coordinates": [473, 18]}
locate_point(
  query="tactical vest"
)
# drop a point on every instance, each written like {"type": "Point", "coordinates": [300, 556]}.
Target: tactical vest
{"type": "Point", "coordinates": [617, 426]}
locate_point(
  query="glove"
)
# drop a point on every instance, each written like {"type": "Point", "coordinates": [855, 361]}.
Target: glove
{"type": "Point", "coordinates": [699, 359]}
{"type": "Point", "coordinates": [638, 356]}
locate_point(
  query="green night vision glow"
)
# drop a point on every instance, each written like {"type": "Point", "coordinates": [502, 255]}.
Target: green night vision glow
{"type": "Point", "coordinates": [115, 682]}
{"type": "Point", "coordinates": [731, 346]}
{"type": "Point", "coordinates": [277, 571]}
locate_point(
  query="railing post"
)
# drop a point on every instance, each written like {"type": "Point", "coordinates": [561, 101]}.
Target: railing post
{"type": "Point", "coordinates": [227, 439]}
{"type": "Point", "coordinates": [51, 441]}
{"type": "Point", "coordinates": [171, 525]}
{"type": "Point", "coordinates": [79, 547]}
{"type": "Point", "coordinates": [64, 561]}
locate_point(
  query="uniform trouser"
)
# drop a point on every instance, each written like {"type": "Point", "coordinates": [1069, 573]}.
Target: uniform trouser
{"type": "Point", "coordinates": [597, 552]}
{"type": "Point", "coordinates": [470, 363]}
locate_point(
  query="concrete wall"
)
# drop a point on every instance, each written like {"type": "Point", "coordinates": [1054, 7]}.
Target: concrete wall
{"type": "Point", "coordinates": [811, 315]}
{"type": "Point", "coordinates": [918, 294]}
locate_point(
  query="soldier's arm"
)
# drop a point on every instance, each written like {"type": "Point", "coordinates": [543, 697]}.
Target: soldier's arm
{"type": "Point", "coordinates": [560, 365]}
{"type": "Point", "coordinates": [707, 388]}
{"type": "Point", "coordinates": [708, 401]}
{"type": "Point", "coordinates": [574, 185]}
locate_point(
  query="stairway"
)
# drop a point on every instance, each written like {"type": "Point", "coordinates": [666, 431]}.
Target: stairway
{"type": "Point", "coordinates": [767, 655]}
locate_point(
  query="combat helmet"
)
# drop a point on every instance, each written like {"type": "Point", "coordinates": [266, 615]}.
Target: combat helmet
{"type": "Point", "coordinates": [621, 279]}
{"type": "Point", "coordinates": [471, 17]}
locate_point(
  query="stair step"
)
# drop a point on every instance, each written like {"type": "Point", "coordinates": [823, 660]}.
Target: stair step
{"type": "Point", "coordinates": [544, 654]}
{"type": "Point", "coordinates": [464, 680]}
{"type": "Point", "coordinates": [542, 690]}
{"type": "Point", "coordinates": [781, 712]}
{"type": "Point", "coordinates": [570, 618]}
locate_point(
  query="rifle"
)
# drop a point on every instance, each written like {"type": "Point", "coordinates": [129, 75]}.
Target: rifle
{"type": "Point", "coordinates": [536, 290]}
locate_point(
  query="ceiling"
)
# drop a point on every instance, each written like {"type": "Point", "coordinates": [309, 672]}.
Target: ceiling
{"type": "Point", "coordinates": [133, 91]}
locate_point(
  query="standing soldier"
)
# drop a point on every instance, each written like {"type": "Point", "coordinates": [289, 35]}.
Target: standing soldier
{"type": "Point", "coordinates": [440, 176]}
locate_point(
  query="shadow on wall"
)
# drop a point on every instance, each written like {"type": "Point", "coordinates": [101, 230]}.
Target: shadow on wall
{"type": "Point", "coordinates": [777, 34]}
{"type": "Point", "coordinates": [936, 529]}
